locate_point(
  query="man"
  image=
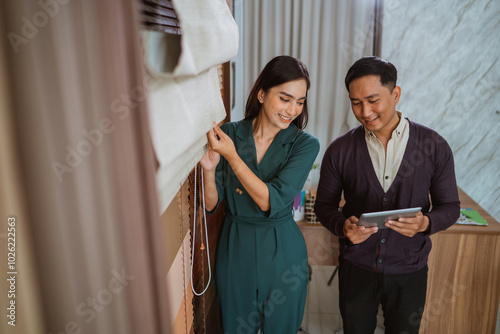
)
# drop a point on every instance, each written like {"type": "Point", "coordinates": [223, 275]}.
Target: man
{"type": "Point", "coordinates": [387, 163]}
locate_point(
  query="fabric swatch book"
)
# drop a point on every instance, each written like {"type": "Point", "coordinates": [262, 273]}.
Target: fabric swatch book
{"type": "Point", "coordinates": [470, 217]}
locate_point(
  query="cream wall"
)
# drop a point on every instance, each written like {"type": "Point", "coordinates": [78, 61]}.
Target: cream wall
{"type": "Point", "coordinates": [447, 55]}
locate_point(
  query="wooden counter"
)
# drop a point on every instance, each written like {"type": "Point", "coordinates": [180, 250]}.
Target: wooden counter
{"type": "Point", "coordinates": [322, 246]}
{"type": "Point", "coordinates": [463, 288]}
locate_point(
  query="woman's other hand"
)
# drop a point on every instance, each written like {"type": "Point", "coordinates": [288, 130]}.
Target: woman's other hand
{"type": "Point", "coordinates": [209, 163]}
{"type": "Point", "coordinates": [210, 159]}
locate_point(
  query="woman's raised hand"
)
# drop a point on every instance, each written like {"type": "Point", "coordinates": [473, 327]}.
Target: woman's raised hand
{"type": "Point", "coordinates": [209, 163]}
{"type": "Point", "coordinates": [220, 142]}
{"type": "Point", "coordinates": [211, 158]}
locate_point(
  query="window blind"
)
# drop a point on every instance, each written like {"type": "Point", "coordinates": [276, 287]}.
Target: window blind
{"type": "Point", "coordinates": [184, 93]}
{"type": "Point", "coordinates": [160, 15]}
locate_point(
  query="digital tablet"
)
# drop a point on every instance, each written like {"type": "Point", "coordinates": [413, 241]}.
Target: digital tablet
{"type": "Point", "coordinates": [373, 219]}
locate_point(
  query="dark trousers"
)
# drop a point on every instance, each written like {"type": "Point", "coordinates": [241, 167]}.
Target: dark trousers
{"type": "Point", "coordinates": [361, 291]}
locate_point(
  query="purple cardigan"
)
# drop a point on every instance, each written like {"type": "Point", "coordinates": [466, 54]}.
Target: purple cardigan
{"type": "Point", "coordinates": [427, 167]}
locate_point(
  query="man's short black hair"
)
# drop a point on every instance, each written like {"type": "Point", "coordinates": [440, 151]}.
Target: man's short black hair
{"type": "Point", "coordinates": [387, 72]}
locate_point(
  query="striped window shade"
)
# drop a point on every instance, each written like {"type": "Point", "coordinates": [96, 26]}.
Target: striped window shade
{"type": "Point", "coordinates": [160, 15]}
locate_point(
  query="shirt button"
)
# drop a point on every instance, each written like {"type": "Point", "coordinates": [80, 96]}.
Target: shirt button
{"type": "Point", "coordinates": [239, 191]}
{"type": "Point", "coordinates": [382, 241]}
{"type": "Point", "coordinates": [385, 199]}
{"type": "Point", "coordinates": [387, 177]}
{"type": "Point", "coordinates": [379, 260]}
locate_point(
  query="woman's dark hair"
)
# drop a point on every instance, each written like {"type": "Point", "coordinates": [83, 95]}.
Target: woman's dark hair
{"type": "Point", "coordinates": [278, 71]}
{"type": "Point", "coordinates": [387, 72]}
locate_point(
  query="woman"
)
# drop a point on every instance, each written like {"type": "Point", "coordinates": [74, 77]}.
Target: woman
{"type": "Point", "coordinates": [261, 268]}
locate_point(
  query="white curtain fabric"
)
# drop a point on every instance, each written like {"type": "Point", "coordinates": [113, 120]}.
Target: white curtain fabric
{"type": "Point", "coordinates": [328, 36]}
{"type": "Point", "coordinates": [185, 100]}
{"type": "Point", "coordinates": [87, 168]}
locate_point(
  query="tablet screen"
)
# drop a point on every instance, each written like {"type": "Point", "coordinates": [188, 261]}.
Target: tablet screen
{"type": "Point", "coordinates": [379, 218]}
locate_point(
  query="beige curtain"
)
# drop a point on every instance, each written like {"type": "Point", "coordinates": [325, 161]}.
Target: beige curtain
{"type": "Point", "coordinates": [13, 210]}
{"type": "Point", "coordinates": [85, 184]}
{"type": "Point", "coordinates": [328, 36]}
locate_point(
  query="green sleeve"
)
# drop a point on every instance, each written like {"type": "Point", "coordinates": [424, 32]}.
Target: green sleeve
{"type": "Point", "coordinates": [288, 182]}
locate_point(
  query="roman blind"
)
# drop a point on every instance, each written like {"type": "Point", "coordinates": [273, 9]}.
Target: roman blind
{"type": "Point", "coordinates": [183, 86]}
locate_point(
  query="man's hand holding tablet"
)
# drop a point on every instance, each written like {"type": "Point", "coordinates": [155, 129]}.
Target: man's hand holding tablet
{"type": "Point", "coordinates": [404, 221]}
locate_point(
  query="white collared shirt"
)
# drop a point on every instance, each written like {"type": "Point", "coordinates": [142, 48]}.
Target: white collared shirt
{"type": "Point", "coordinates": [386, 165]}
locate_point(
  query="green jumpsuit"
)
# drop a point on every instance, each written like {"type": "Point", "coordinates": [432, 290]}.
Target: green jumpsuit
{"type": "Point", "coordinates": [261, 269]}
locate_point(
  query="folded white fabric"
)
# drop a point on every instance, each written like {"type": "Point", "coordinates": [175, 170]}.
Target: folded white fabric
{"type": "Point", "coordinates": [184, 93]}
{"type": "Point", "coordinates": [209, 35]}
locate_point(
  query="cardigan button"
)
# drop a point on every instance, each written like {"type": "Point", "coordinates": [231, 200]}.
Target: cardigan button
{"type": "Point", "coordinates": [239, 191]}
{"type": "Point", "coordinates": [385, 198]}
